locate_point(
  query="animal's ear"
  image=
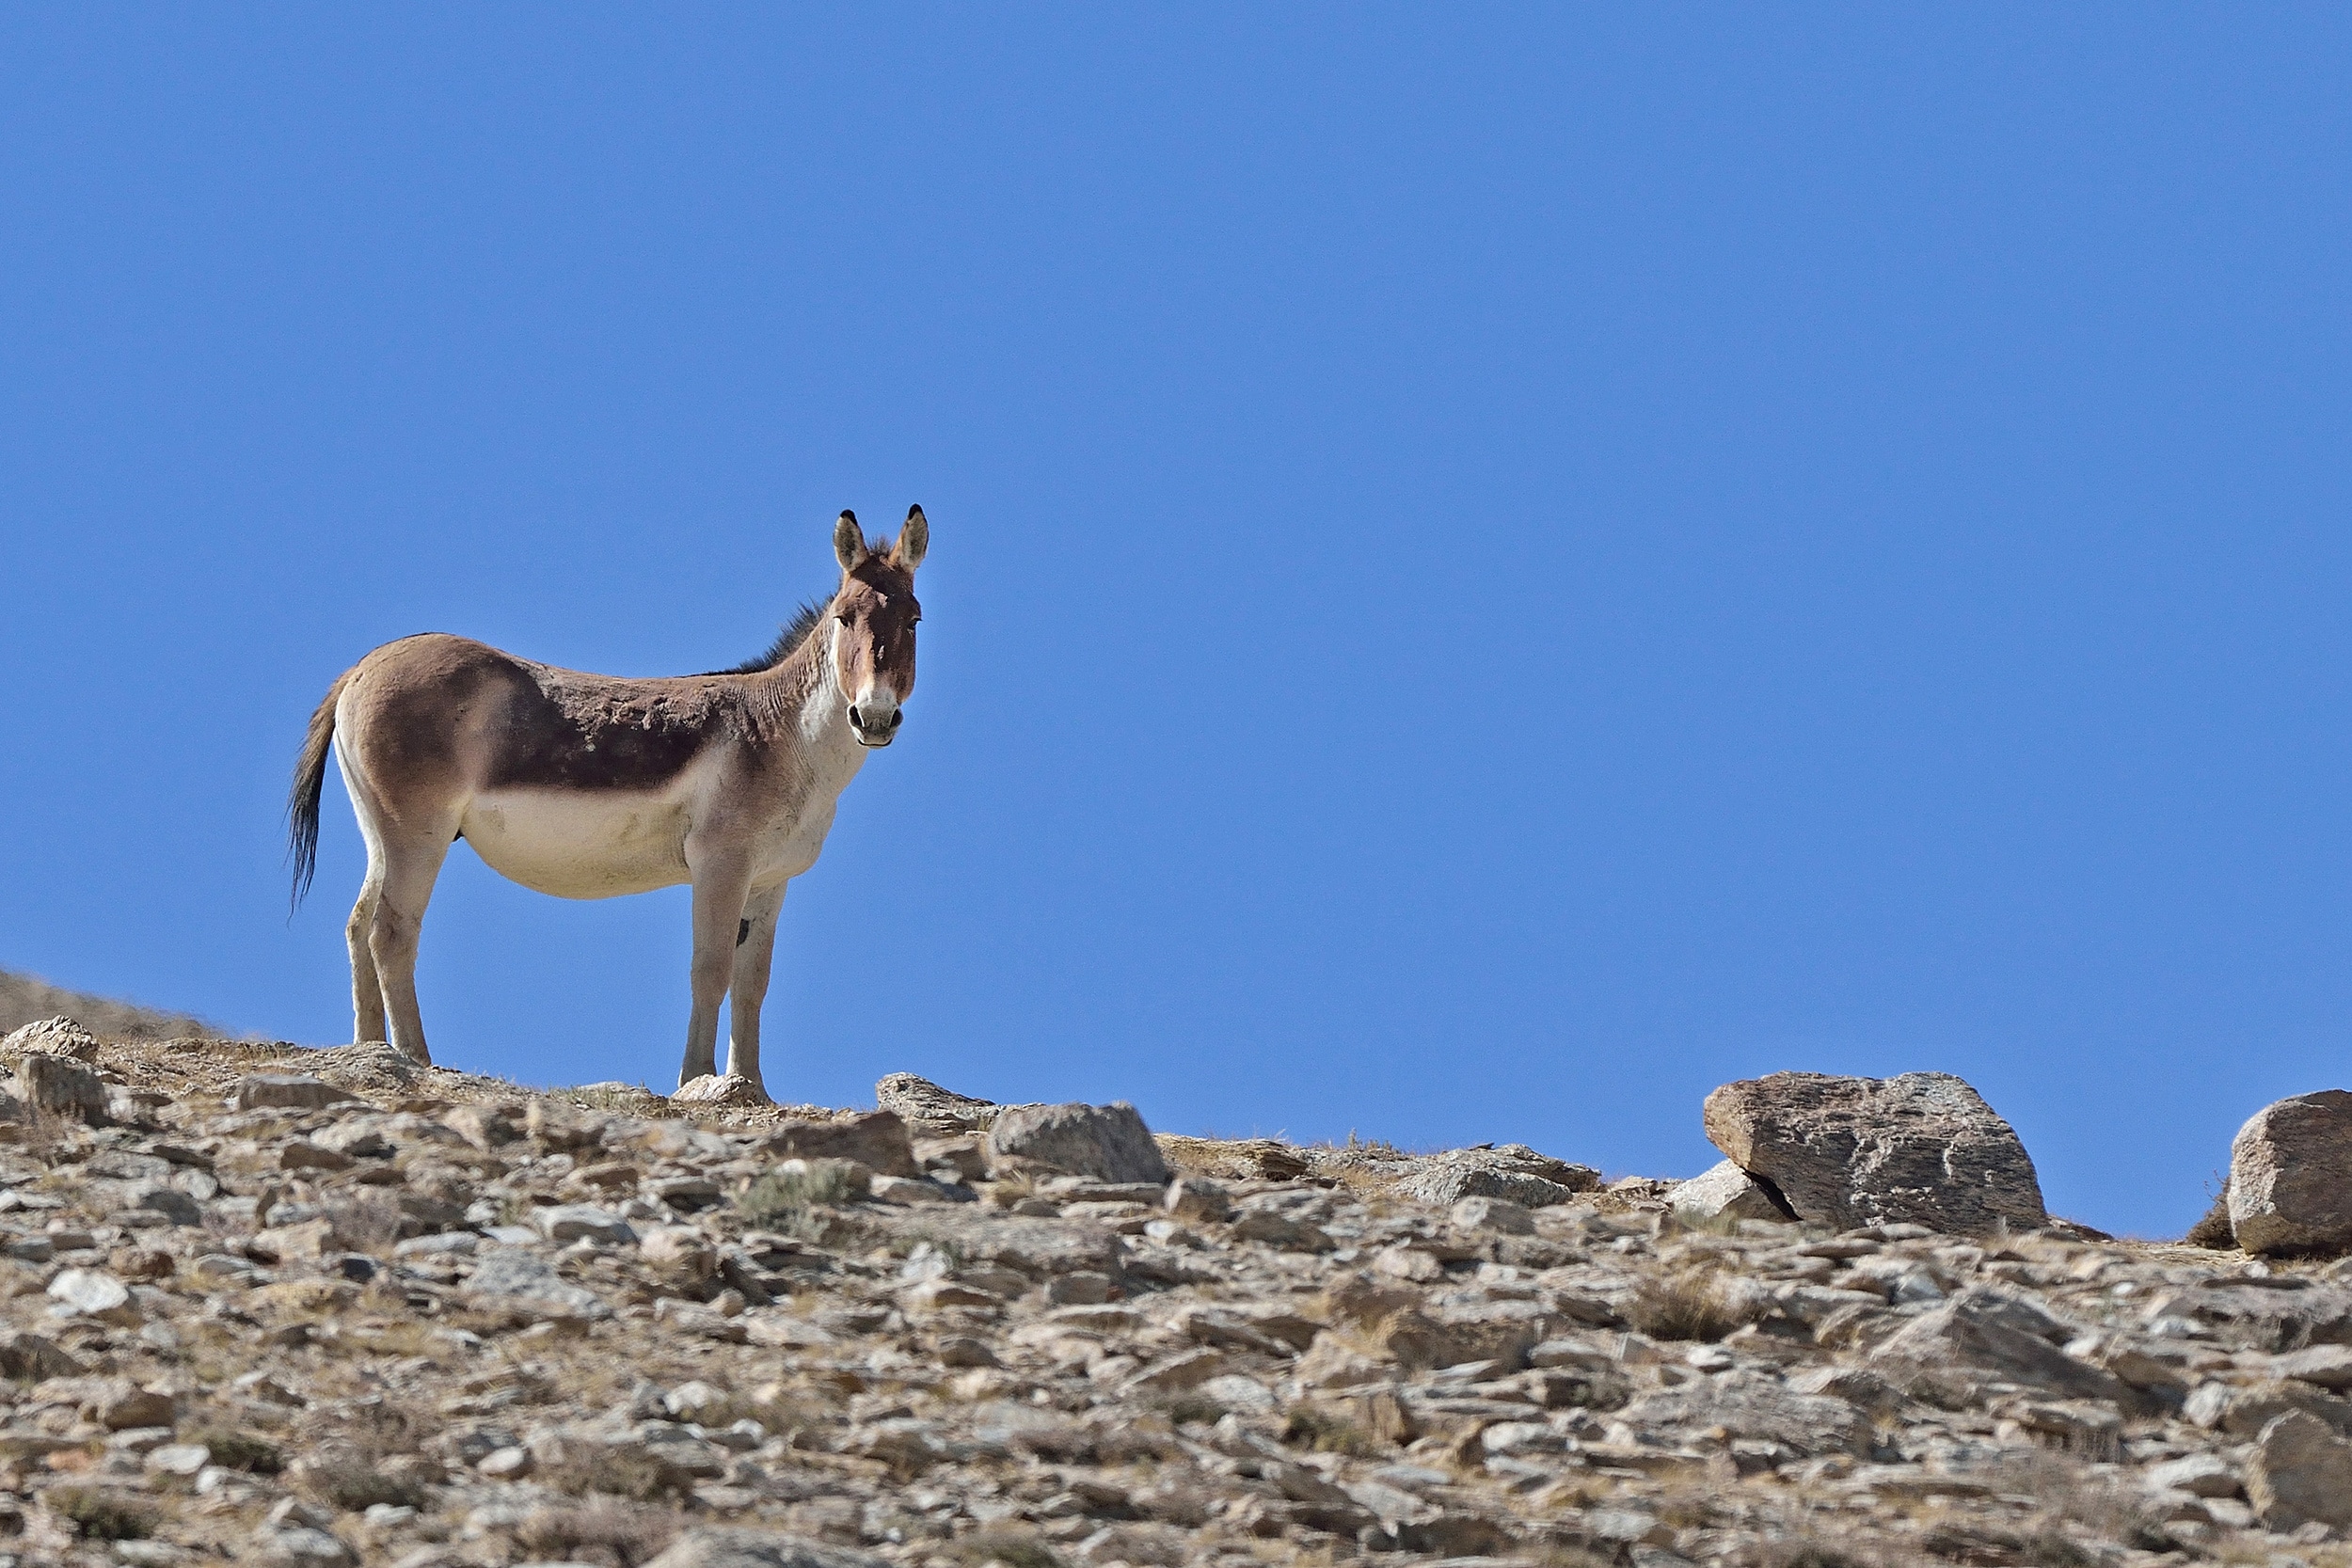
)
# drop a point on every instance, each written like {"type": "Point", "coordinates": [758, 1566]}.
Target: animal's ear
{"type": "Point", "coordinates": [914, 540]}
{"type": "Point", "coordinates": [849, 542]}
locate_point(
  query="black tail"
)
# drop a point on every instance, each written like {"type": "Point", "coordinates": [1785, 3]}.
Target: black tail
{"type": "Point", "coordinates": [302, 802]}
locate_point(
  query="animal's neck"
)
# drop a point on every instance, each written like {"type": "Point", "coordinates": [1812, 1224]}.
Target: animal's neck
{"type": "Point", "coordinates": [807, 689]}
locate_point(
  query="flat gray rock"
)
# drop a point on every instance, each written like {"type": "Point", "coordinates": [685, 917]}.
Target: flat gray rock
{"type": "Point", "coordinates": [1923, 1148]}
{"type": "Point", "coordinates": [2290, 1176]}
{"type": "Point", "coordinates": [1109, 1143]}
{"type": "Point", "coordinates": [1754, 1407]}
{"type": "Point", "coordinates": [2300, 1472]}
{"type": "Point", "coordinates": [1980, 1341]}
{"type": "Point", "coordinates": [520, 1279]}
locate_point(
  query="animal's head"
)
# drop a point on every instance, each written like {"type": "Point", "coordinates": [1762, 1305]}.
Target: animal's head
{"type": "Point", "coordinates": [872, 624]}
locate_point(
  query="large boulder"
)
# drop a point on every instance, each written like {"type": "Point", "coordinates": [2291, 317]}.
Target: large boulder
{"type": "Point", "coordinates": [1923, 1148]}
{"type": "Point", "coordinates": [1109, 1143]}
{"type": "Point", "coordinates": [2290, 1176]}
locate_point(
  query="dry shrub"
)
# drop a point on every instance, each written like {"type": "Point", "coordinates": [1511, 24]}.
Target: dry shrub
{"type": "Point", "coordinates": [101, 1515]}
{"type": "Point", "coordinates": [1326, 1432]}
{"type": "Point", "coordinates": [2213, 1232]}
{"type": "Point", "coordinates": [602, 1531]}
{"type": "Point", "coordinates": [1691, 1304]}
{"type": "Point", "coordinates": [630, 1473]}
{"type": "Point", "coordinates": [781, 1200]}
{"type": "Point", "coordinates": [371, 1457]}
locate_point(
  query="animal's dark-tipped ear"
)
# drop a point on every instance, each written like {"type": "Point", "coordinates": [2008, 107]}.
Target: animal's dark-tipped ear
{"type": "Point", "coordinates": [914, 540]}
{"type": "Point", "coordinates": [849, 542]}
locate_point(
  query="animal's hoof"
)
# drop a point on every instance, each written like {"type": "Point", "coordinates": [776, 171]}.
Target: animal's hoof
{"type": "Point", "coordinates": [721, 1089]}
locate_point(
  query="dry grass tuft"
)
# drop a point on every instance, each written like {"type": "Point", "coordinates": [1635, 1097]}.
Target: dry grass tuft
{"type": "Point", "coordinates": [1190, 1408]}
{"type": "Point", "coordinates": [603, 1531]}
{"type": "Point", "coordinates": [781, 1200]}
{"type": "Point", "coordinates": [1326, 1431]}
{"type": "Point", "coordinates": [1691, 1305]}
{"type": "Point", "coordinates": [101, 1515]}
{"type": "Point", "coordinates": [630, 1473]}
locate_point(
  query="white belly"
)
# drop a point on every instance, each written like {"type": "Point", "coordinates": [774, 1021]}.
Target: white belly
{"type": "Point", "coordinates": [573, 845]}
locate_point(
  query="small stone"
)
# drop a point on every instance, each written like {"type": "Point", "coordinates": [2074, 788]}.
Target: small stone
{"type": "Point", "coordinates": [285, 1091]}
{"type": "Point", "coordinates": [728, 1089]}
{"type": "Point", "coordinates": [302, 1154]}
{"type": "Point", "coordinates": [920, 1102]}
{"type": "Point", "coordinates": [572, 1222]}
{"type": "Point", "coordinates": [511, 1464]}
{"type": "Point", "coordinates": [94, 1294]}
{"type": "Point", "coordinates": [1197, 1198]}
{"type": "Point", "coordinates": [178, 1459]}
{"type": "Point", "coordinates": [170, 1202]}
{"type": "Point", "coordinates": [1493, 1214]}
{"type": "Point", "coordinates": [1175, 1373]}
{"type": "Point", "coordinates": [28, 1358]}
{"type": "Point", "coordinates": [1724, 1192]}
{"type": "Point", "coordinates": [2199, 1475]}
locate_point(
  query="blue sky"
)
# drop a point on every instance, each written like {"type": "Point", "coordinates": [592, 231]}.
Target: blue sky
{"type": "Point", "coordinates": [1492, 568]}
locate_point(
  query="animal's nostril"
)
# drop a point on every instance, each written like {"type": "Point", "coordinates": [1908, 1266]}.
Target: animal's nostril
{"type": "Point", "coordinates": [857, 720]}
{"type": "Point", "coordinates": [897, 719]}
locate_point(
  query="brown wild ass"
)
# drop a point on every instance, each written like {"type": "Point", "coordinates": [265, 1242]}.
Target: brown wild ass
{"type": "Point", "coordinates": [586, 786]}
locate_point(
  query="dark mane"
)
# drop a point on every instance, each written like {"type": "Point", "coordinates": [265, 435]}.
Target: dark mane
{"type": "Point", "coordinates": [796, 631]}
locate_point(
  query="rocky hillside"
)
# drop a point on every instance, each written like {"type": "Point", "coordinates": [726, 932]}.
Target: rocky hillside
{"type": "Point", "coordinates": [281, 1306]}
{"type": "Point", "coordinates": [27, 998]}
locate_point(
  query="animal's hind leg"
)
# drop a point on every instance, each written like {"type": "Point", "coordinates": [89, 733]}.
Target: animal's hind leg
{"type": "Point", "coordinates": [720, 886]}
{"type": "Point", "coordinates": [411, 865]}
{"type": "Point", "coordinates": [755, 949]}
{"type": "Point", "coordinates": [367, 992]}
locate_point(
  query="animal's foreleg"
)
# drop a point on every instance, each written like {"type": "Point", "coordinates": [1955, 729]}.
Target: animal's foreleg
{"type": "Point", "coordinates": [753, 956]}
{"type": "Point", "coordinates": [720, 886]}
{"type": "Point", "coordinates": [367, 992]}
{"type": "Point", "coordinates": [410, 872]}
